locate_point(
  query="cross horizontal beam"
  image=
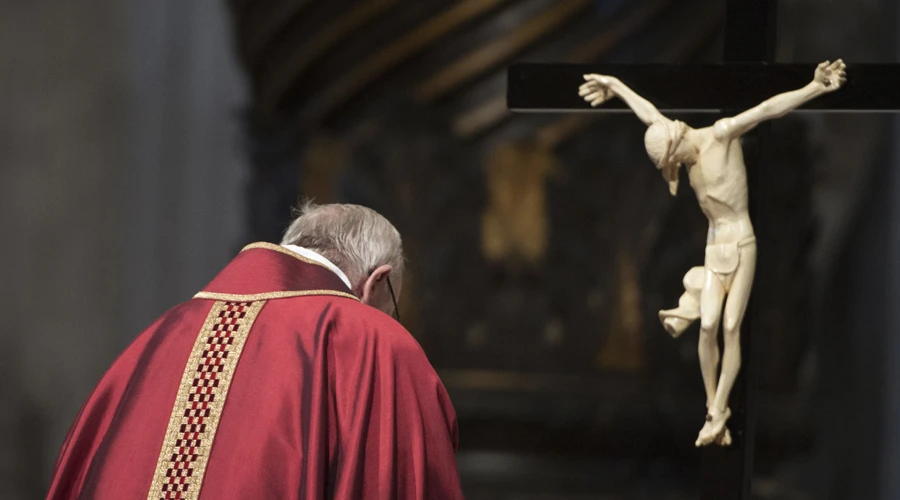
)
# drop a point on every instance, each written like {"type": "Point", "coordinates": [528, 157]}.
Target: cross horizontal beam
{"type": "Point", "coordinates": [700, 88]}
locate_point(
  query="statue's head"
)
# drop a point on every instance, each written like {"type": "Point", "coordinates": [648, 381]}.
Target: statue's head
{"type": "Point", "coordinates": [666, 147]}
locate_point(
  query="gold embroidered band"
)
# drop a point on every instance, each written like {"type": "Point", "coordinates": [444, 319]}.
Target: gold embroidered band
{"type": "Point", "coordinates": [201, 397]}
{"type": "Point", "coordinates": [270, 295]}
{"type": "Point", "coordinates": [281, 249]}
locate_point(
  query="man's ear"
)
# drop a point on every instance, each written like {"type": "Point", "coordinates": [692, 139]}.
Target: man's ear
{"type": "Point", "coordinates": [373, 282]}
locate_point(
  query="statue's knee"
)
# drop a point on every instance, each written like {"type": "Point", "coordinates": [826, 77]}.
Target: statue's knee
{"type": "Point", "coordinates": [709, 324]}
{"type": "Point", "coordinates": [731, 327]}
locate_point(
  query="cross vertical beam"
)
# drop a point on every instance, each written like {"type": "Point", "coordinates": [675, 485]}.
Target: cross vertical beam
{"type": "Point", "coordinates": [726, 473]}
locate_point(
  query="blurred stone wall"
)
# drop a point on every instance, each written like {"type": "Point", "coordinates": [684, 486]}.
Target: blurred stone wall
{"type": "Point", "coordinates": [120, 190]}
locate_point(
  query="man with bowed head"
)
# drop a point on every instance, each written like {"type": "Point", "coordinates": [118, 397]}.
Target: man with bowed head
{"type": "Point", "coordinates": [284, 378]}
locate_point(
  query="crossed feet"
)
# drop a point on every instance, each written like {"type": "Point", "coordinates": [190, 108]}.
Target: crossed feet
{"type": "Point", "coordinates": [714, 430]}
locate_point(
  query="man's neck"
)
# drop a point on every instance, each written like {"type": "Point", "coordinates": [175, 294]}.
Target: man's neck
{"type": "Point", "coordinates": [312, 255]}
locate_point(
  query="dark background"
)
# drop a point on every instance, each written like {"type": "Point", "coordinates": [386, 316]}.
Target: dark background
{"type": "Point", "coordinates": [143, 143]}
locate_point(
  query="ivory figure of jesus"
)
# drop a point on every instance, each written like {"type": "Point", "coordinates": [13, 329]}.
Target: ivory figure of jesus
{"type": "Point", "coordinates": [717, 292]}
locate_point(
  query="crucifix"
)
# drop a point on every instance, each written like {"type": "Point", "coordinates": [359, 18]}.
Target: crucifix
{"type": "Point", "coordinates": [713, 157]}
{"type": "Point", "coordinates": [734, 90]}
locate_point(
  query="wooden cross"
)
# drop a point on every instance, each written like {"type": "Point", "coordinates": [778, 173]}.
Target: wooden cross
{"type": "Point", "coordinates": [747, 78]}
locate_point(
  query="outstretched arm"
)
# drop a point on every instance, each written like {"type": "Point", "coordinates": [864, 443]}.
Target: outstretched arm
{"type": "Point", "coordinates": [601, 88]}
{"type": "Point", "coordinates": [828, 78]}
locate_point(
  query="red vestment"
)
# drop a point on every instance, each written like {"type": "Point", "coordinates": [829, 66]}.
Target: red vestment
{"type": "Point", "coordinates": [272, 383]}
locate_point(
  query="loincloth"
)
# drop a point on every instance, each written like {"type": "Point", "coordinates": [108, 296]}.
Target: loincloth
{"type": "Point", "coordinates": [724, 259]}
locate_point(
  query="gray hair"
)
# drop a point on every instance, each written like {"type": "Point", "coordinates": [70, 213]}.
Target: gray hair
{"type": "Point", "coordinates": [354, 238]}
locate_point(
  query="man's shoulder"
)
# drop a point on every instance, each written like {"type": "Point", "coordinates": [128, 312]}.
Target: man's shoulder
{"type": "Point", "coordinates": [367, 323]}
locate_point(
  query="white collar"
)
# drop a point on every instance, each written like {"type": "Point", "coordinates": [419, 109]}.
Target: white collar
{"type": "Point", "coordinates": [309, 254]}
